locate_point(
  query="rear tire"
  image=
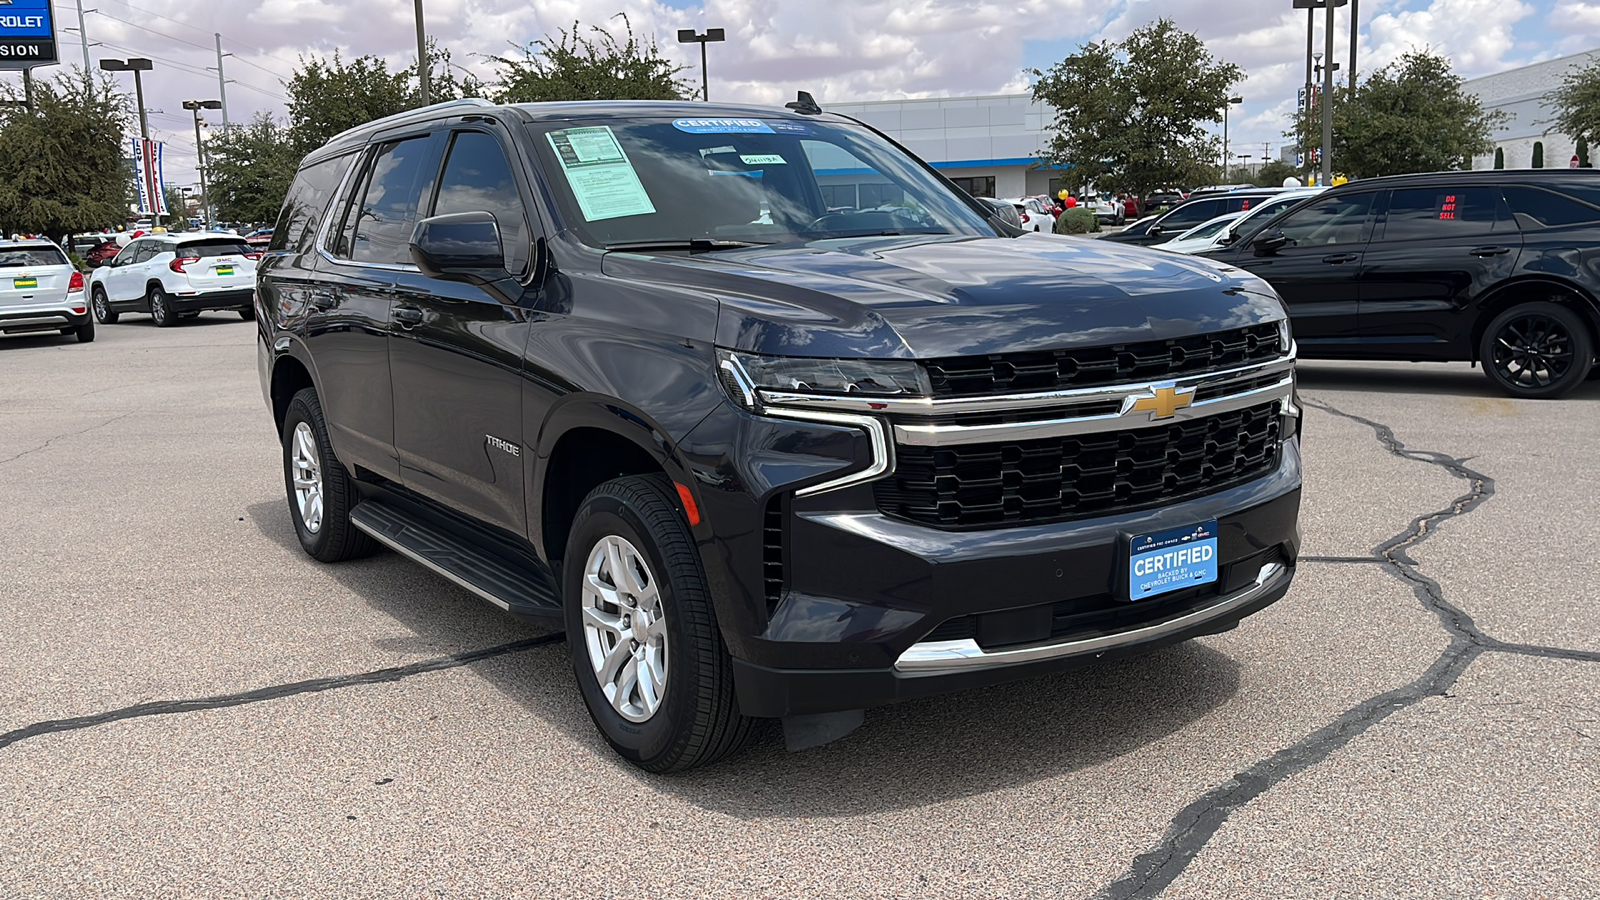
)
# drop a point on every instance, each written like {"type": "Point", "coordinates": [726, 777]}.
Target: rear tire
{"type": "Point", "coordinates": [646, 649]}
{"type": "Point", "coordinates": [321, 493]}
{"type": "Point", "coordinates": [85, 332]}
{"type": "Point", "coordinates": [161, 307]}
{"type": "Point", "coordinates": [1537, 350]}
{"type": "Point", "coordinates": [103, 313]}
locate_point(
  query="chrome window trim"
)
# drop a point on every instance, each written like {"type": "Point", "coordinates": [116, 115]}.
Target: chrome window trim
{"type": "Point", "coordinates": [939, 657]}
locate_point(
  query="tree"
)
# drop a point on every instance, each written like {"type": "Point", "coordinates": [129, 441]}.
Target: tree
{"type": "Point", "coordinates": [1583, 153]}
{"type": "Point", "coordinates": [1409, 116]}
{"type": "Point", "coordinates": [1538, 154]}
{"type": "Point", "coordinates": [576, 67]}
{"type": "Point", "coordinates": [1576, 103]}
{"type": "Point", "coordinates": [1132, 113]}
{"type": "Point", "coordinates": [1273, 173]}
{"type": "Point", "coordinates": [328, 96]}
{"type": "Point", "coordinates": [61, 162]}
{"type": "Point", "coordinates": [177, 217]}
{"type": "Point", "coordinates": [250, 168]}
{"type": "Point", "coordinates": [1499, 157]}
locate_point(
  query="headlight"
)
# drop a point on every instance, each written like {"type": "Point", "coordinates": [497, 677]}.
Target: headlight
{"type": "Point", "coordinates": [742, 374]}
{"type": "Point", "coordinates": [1285, 338]}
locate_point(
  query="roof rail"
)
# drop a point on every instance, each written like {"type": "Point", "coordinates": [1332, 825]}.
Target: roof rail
{"type": "Point", "coordinates": [409, 115]}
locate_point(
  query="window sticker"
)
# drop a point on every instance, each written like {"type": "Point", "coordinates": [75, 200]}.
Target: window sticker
{"type": "Point", "coordinates": [722, 126]}
{"type": "Point", "coordinates": [601, 177]}
{"type": "Point", "coordinates": [782, 127]}
{"type": "Point", "coordinates": [763, 159]}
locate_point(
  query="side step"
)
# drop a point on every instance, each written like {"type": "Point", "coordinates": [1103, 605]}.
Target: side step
{"type": "Point", "coordinates": [512, 588]}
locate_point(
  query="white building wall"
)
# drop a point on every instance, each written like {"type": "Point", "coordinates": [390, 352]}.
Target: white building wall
{"type": "Point", "coordinates": [1520, 94]}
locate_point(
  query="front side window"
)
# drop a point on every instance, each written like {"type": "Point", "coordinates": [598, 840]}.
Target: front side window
{"type": "Point", "coordinates": [1420, 214]}
{"type": "Point", "coordinates": [756, 181]}
{"type": "Point", "coordinates": [1339, 220]}
{"type": "Point", "coordinates": [477, 178]}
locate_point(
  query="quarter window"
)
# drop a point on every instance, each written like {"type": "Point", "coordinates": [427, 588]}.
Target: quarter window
{"type": "Point", "coordinates": [477, 178]}
{"type": "Point", "coordinates": [1424, 213]}
{"type": "Point", "coordinates": [1535, 208]}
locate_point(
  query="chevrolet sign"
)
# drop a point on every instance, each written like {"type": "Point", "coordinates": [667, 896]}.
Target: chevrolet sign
{"type": "Point", "coordinates": [27, 34]}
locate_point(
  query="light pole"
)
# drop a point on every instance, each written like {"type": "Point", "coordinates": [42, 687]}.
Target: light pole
{"type": "Point", "coordinates": [1228, 104]}
{"type": "Point", "coordinates": [205, 191]}
{"type": "Point", "coordinates": [1325, 106]}
{"type": "Point", "coordinates": [688, 36]}
{"type": "Point", "coordinates": [136, 65]}
{"type": "Point", "coordinates": [422, 55]}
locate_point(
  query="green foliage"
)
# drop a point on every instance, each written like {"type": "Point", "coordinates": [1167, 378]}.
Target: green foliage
{"type": "Point", "coordinates": [328, 96]}
{"type": "Point", "coordinates": [1499, 157]}
{"type": "Point", "coordinates": [1132, 113]}
{"type": "Point", "coordinates": [1077, 220]}
{"type": "Point", "coordinates": [61, 168]}
{"type": "Point", "coordinates": [576, 67]}
{"type": "Point", "coordinates": [177, 217]}
{"type": "Point", "coordinates": [1583, 153]}
{"type": "Point", "coordinates": [250, 170]}
{"type": "Point", "coordinates": [1409, 116]}
{"type": "Point", "coordinates": [1576, 103]}
{"type": "Point", "coordinates": [1538, 154]}
{"type": "Point", "coordinates": [1273, 173]}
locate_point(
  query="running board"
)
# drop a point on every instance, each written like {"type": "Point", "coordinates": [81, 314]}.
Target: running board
{"type": "Point", "coordinates": [511, 588]}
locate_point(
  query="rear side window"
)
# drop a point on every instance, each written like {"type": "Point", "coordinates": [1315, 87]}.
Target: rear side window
{"type": "Point", "coordinates": [477, 178]}
{"type": "Point", "coordinates": [1535, 208]}
{"type": "Point", "coordinates": [388, 212]}
{"type": "Point", "coordinates": [31, 257]}
{"type": "Point", "coordinates": [308, 199]}
{"type": "Point", "coordinates": [1421, 214]}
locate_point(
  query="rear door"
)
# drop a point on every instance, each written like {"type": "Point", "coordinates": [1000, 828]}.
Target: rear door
{"type": "Point", "coordinates": [1437, 250]}
{"type": "Point", "coordinates": [456, 351]}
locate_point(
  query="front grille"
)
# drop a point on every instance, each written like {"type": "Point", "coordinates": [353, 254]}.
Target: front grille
{"type": "Point", "coordinates": [1061, 478]}
{"type": "Point", "coordinates": [1012, 373]}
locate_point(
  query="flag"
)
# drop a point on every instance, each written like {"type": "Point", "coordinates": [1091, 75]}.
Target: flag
{"type": "Point", "coordinates": [148, 174]}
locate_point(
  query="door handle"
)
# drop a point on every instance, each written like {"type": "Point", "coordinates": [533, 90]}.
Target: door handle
{"type": "Point", "coordinates": [324, 298]}
{"type": "Point", "coordinates": [1485, 252]}
{"type": "Point", "coordinates": [1341, 258]}
{"type": "Point", "coordinates": [408, 316]}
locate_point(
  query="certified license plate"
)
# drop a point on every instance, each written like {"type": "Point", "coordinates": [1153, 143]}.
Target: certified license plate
{"type": "Point", "coordinates": [23, 284]}
{"type": "Point", "coordinates": [224, 270]}
{"type": "Point", "coordinates": [1172, 560]}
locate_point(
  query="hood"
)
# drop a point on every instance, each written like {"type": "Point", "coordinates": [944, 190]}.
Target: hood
{"type": "Point", "coordinates": [926, 297]}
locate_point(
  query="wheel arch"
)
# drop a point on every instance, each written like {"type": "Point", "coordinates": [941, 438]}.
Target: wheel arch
{"type": "Point", "coordinates": [1533, 290]}
{"type": "Point", "coordinates": [290, 375]}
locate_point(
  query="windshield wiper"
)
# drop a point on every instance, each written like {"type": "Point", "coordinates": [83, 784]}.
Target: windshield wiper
{"type": "Point", "coordinates": [693, 245]}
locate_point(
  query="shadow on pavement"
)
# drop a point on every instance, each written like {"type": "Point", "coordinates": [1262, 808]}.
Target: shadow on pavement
{"type": "Point", "coordinates": [906, 756]}
{"type": "Point", "coordinates": [1456, 379]}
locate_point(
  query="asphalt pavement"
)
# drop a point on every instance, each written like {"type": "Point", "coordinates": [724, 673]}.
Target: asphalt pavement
{"type": "Point", "coordinates": [193, 707]}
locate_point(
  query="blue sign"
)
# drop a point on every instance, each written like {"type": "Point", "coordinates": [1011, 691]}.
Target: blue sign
{"type": "Point", "coordinates": [27, 34]}
{"type": "Point", "coordinates": [1172, 560]}
{"type": "Point", "coordinates": [722, 126]}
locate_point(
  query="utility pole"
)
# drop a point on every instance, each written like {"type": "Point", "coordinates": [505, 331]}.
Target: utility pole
{"type": "Point", "coordinates": [88, 79]}
{"type": "Point", "coordinates": [222, 83]}
{"type": "Point", "coordinates": [422, 56]}
{"type": "Point", "coordinates": [205, 191]}
{"type": "Point", "coordinates": [1355, 21]}
{"type": "Point", "coordinates": [1327, 100]}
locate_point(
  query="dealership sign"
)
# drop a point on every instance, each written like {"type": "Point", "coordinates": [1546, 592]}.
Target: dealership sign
{"type": "Point", "coordinates": [27, 34]}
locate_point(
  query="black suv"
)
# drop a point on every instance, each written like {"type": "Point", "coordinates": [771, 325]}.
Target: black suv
{"type": "Point", "coordinates": [1188, 214]}
{"type": "Point", "coordinates": [773, 418]}
{"type": "Point", "coordinates": [1492, 266]}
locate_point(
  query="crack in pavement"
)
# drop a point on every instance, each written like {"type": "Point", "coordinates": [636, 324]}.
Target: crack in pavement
{"type": "Point", "coordinates": [61, 437]}
{"type": "Point", "coordinates": [1193, 827]}
{"type": "Point", "coordinates": [275, 692]}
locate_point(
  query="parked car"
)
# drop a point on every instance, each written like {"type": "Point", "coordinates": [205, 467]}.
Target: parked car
{"type": "Point", "coordinates": [1454, 266]}
{"type": "Point", "coordinates": [1263, 211]}
{"type": "Point", "coordinates": [102, 253]}
{"type": "Point", "coordinates": [1033, 214]}
{"type": "Point", "coordinates": [259, 239]}
{"type": "Point", "coordinates": [41, 290]}
{"type": "Point", "coordinates": [174, 277]}
{"type": "Point", "coordinates": [1188, 214]}
{"type": "Point", "coordinates": [765, 468]}
{"type": "Point", "coordinates": [1006, 209]}
{"type": "Point", "coordinates": [1201, 237]}
{"type": "Point", "coordinates": [1107, 209]}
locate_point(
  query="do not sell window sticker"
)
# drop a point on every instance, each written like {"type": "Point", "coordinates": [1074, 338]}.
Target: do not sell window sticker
{"type": "Point", "coordinates": [597, 169]}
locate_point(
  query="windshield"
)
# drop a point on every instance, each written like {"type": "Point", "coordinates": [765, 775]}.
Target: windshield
{"type": "Point", "coordinates": [741, 181]}
{"type": "Point", "coordinates": [1207, 230]}
{"type": "Point", "coordinates": [30, 257]}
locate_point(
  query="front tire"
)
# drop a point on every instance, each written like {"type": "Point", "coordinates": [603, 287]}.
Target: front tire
{"type": "Point", "coordinates": [645, 645]}
{"type": "Point", "coordinates": [321, 493]}
{"type": "Point", "coordinates": [1537, 350]}
{"type": "Point", "coordinates": [103, 313]}
{"type": "Point", "coordinates": [161, 307]}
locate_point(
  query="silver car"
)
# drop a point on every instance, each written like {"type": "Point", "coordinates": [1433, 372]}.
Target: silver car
{"type": "Point", "coordinates": [41, 290]}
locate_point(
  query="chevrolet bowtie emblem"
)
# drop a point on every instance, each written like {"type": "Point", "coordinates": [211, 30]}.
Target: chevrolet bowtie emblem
{"type": "Point", "coordinates": [1163, 401]}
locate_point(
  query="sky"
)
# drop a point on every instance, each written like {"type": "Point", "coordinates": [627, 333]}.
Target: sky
{"type": "Point", "coordinates": [839, 50]}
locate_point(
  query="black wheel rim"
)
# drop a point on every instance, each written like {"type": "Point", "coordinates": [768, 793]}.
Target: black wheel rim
{"type": "Point", "coordinates": [1533, 351]}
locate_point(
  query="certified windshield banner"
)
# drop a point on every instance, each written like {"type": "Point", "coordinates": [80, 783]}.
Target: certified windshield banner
{"type": "Point", "coordinates": [27, 34]}
{"type": "Point", "coordinates": [147, 171]}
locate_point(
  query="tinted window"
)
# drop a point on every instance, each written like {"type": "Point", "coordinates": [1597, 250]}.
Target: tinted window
{"type": "Point", "coordinates": [1191, 214]}
{"type": "Point", "coordinates": [477, 178]}
{"type": "Point", "coordinates": [1535, 208]}
{"type": "Point", "coordinates": [30, 257]}
{"type": "Point", "coordinates": [1584, 188]}
{"type": "Point", "coordinates": [1423, 213]}
{"type": "Point", "coordinates": [308, 197]}
{"type": "Point", "coordinates": [387, 211]}
{"type": "Point", "coordinates": [1331, 220]}
{"type": "Point", "coordinates": [145, 251]}
{"type": "Point", "coordinates": [202, 249]}
{"type": "Point", "coordinates": [342, 235]}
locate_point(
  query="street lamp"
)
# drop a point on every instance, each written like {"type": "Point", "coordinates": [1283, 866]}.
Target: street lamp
{"type": "Point", "coordinates": [688, 36]}
{"type": "Point", "coordinates": [135, 65]}
{"type": "Point", "coordinates": [205, 192]}
{"type": "Point", "coordinates": [1225, 107]}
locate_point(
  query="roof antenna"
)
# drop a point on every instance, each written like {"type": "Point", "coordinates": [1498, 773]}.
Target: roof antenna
{"type": "Point", "coordinates": [804, 104]}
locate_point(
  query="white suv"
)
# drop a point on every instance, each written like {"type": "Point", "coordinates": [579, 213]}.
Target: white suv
{"type": "Point", "coordinates": [40, 290]}
{"type": "Point", "coordinates": [176, 276]}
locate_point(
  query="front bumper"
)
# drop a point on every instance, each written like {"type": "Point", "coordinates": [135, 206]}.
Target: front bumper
{"type": "Point", "coordinates": [199, 302]}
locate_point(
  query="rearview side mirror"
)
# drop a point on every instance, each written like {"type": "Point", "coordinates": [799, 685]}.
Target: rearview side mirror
{"type": "Point", "coordinates": [460, 247]}
{"type": "Point", "coordinates": [1270, 242]}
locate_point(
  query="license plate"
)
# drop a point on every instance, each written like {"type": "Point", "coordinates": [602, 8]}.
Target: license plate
{"type": "Point", "coordinates": [24, 283]}
{"type": "Point", "coordinates": [224, 270]}
{"type": "Point", "coordinates": [1172, 560]}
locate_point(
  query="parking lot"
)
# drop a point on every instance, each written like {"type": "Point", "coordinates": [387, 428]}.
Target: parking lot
{"type": "Point", "coordinates": [193, 707]}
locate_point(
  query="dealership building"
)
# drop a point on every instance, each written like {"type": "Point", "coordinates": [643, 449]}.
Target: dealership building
{"type": "Point", "coordinates": [990, 146]}
{"type": "Point", "coordinates": [1520, 94]}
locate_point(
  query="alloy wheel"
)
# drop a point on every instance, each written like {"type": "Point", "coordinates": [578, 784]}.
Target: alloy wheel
{"type": "Point", "coordinates": [306, 469]}
{"type": "Point", "coordinates": [100, 310]}
{"type": "Point", "coordinates": [624, 628]}
{"type": "Point", "coordinates": [1533, 351]}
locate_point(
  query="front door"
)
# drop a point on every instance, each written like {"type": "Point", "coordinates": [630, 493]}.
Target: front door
{"type": "Point", "coordinates": [1315, 271]}
{"type": "Point", "coordinates": [456, 353]}
{"type": "Point", "coordinates": [1438, 250]}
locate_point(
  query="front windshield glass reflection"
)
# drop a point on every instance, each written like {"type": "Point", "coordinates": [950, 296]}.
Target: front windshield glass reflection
{"type": "Point", "coordinates": [667, 181]}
